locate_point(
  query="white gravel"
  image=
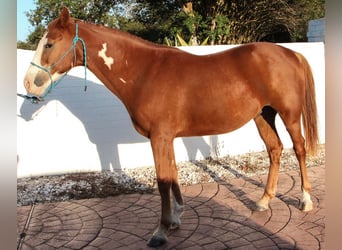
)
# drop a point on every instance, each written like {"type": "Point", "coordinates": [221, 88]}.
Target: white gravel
{"type": "Point", "coordinates": [143, 180]}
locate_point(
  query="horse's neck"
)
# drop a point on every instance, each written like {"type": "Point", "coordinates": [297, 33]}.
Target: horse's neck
{"type": "Point", "coordinates": [115, 58]}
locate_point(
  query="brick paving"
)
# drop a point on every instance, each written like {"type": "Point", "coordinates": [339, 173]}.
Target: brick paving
{"type": "Point", "coordinates": [218, 216]}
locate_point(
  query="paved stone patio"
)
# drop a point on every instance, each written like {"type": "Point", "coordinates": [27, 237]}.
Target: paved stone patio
{"type": "Point", "coordinates": [218, 216]}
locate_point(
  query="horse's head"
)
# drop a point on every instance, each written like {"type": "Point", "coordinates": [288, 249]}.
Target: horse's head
{"type": "Point", "coordinates": [54, 55]}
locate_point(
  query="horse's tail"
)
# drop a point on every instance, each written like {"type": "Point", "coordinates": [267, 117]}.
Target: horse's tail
{"type": "Point", "coordinates": [309, 110]}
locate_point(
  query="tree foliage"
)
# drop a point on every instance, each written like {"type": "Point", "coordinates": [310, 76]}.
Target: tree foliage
{"type": "Point", "coordinates": [241, 21]}
{"type": "Point", "coordinates": [196, 21]}
{"type": "Point", "coordinates": [306, 10]}
{"type": "Point", "coordinates": [97, 11]}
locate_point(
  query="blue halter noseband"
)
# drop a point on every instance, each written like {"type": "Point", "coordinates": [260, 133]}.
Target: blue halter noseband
{"type": "Point", "coordinates": [48, 69]}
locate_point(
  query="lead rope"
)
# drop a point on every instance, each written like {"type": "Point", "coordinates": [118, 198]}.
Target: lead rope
{"type": "Point", "coordinates": [36, 99]}
{"type": "Point", "coordinates": [26, 226]}
{"type": "Point", "coordinates": [76, 39]}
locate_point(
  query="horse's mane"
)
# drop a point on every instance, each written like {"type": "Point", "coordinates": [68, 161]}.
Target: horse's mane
{"type": "Point", "coordinates": [124, 34]}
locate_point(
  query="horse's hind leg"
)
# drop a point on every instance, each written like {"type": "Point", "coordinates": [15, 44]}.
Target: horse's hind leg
{"type": "Point", "coordinates": [293, 126]}
{"type": "Point", "coordinates": [265, 123]}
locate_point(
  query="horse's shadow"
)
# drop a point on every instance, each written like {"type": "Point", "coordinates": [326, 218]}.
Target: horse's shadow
{"type": "Point", "coordinates": [238, 192]}
{"type": "Point", "coordinates": [105, 120]}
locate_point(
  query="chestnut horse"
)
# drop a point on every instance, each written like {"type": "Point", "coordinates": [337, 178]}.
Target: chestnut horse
{"type": "Point", "coordinates": [169, 93]}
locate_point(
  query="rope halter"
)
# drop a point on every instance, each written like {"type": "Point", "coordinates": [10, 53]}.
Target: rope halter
{"type": "Point", "coordinates": [53, 84]}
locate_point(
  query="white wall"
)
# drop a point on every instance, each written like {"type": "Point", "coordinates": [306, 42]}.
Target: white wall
{"type": "Point", "coordinates": [75, 131]}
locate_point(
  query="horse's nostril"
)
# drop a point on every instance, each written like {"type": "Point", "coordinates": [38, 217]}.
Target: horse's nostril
{"type": "Point", "coordinates": [27, 84]}
{"type": "Point", "coordinates": [38, 81]}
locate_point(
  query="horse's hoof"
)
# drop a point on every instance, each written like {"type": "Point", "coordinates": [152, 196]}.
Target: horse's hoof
{"type": "Point", "coordinates": [307, 206]}
{"type": "Point", "coordinates": [175, 223]}
{"type": "Point", "coordinates": [306, 202]}
{"type": "Point", "coordinates": [156, 241]}
{"type": "Point", "coordinates": [175, 226]}
{"type": "Point", "coordinates": [260, 207]}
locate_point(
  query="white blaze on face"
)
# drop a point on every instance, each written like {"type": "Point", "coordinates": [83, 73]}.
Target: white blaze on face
{"type": "Point", "coordinates": [108, 61]}
{"type": "Point", "coordinates": [30, 80]}
{"type": "Point", "coordinates": [39, 51]}
{"type": "Point", "coordinates": [32, 71]}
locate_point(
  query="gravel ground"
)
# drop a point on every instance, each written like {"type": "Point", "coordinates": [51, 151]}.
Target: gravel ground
{"type": "Point", "coordinates": [142, 180]}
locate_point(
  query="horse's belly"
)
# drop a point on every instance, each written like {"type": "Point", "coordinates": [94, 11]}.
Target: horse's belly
{"type": "Point", "coordinates": [219, 121]}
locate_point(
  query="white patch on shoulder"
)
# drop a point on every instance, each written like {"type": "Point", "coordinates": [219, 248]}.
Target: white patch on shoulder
{"type": "Point", "coordinates": [107, 59]}
{"type": "Point", "coordinates": [122, 80]}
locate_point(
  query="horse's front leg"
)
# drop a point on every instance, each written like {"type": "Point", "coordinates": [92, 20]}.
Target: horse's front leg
{"type": "Point", "coordinates": [167, 178]}
{"type": "Point", "coordinates": [177, 205]}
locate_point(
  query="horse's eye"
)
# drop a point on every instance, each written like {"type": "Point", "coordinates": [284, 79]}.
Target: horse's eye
{"type": "Point", "coordinates": [48, 45]}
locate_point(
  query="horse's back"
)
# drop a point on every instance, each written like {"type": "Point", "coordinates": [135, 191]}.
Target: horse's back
{"type": "Point", "coordinates": [220, 92]}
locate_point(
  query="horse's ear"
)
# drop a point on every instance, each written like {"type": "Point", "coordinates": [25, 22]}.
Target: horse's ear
{"type": "Point", "coordinates": [64, 16]}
